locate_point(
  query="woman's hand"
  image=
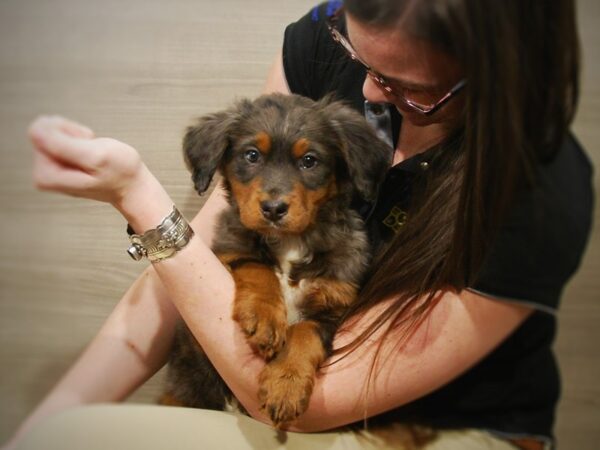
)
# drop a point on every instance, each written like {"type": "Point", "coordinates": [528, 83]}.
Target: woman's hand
{"type": "Point", "coordinates": [69, 159]}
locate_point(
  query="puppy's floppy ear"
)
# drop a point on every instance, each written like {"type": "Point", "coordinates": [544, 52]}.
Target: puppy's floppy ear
{"type": "Point", "coordinates": [204, 146]}
{"type": "Point", "coordinates": [368, 158]}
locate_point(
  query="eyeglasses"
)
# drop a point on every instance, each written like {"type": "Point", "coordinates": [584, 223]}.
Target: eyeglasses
{"type": "Point", "coordinates": [421, 101]}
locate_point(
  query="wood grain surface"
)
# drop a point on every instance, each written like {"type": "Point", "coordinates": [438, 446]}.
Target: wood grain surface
{"type": "Point", "coordinates": [140, 71]}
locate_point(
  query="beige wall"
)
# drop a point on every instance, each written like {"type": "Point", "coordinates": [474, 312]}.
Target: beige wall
{"type": "Point", "coordinates": [139, 71]}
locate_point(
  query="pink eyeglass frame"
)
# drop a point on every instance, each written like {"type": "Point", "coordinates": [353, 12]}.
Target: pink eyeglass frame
{"type": "Point", "coordinates": [380, 80]}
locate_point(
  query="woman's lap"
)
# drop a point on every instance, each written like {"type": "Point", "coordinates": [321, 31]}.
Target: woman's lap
{"type": "Point", "coordinates": [148, 427]}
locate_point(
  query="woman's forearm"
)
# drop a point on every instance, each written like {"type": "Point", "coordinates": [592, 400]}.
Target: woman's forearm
{"type": "Point", "coordinates": [202, 290]}
{"type": "Point", "coordinates": [131, 346]}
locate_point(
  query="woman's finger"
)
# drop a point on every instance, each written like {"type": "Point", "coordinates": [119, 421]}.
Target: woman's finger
{"type": "Point", "coordinates": [69, 126]}
{"type": "Point", "coordinates": [47, 134]}
{"type": "Point", "coordinates": [51, 175]}
{"type": "Point", "coordinates": [75, 129]}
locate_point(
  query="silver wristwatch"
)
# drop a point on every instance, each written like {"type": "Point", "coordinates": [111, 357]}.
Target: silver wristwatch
{"type": "Point", "coordinates": [162, 242]}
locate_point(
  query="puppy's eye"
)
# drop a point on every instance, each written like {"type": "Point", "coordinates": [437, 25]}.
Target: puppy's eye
{"type": "Point", "coordinates": [252, 156]}
{"type": "Point", "coordinates": [308, 162]}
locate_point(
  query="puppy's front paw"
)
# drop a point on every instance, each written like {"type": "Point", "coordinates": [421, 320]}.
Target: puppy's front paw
{"type": "Point", "coordinates": [264, 325]}
{"type": "Point", "coordinates": [284, 392]}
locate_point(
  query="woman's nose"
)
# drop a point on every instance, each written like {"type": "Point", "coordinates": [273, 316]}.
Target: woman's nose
{"type": "Point", "coordinates": [372, 92]}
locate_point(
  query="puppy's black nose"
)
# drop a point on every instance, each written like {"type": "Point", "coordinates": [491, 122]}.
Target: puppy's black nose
{"type": "Point", "coordinates": [274, 210]}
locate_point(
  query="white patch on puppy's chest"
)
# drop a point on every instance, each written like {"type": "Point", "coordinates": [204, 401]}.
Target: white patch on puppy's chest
{"type": "Point", "coordinates": [292, 251]}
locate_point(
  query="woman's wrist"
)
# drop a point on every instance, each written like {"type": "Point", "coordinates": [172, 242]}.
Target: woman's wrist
{"type": "Point", "coordinates": [145, 203]}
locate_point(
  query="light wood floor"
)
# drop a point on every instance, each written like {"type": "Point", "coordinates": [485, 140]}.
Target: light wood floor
{"type": "Point", "coordinates": [139, 71]}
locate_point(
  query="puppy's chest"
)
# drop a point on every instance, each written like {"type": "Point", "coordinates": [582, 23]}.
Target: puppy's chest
{"type": "Point", "coordinates": [290, 254]}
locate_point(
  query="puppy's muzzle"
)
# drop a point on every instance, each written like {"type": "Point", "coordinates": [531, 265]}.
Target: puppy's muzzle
{"type": "Point", "coordinates": [274, 210]}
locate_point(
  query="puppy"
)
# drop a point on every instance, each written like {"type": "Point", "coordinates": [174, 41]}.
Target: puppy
{"type": "Point", "coordinates": [291, 168]}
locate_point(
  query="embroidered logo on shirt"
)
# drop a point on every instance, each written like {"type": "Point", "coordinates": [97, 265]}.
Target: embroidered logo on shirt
{"type": "Point", "coordinates": [396, 219]}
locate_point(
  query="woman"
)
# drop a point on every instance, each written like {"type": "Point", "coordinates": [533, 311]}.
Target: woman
{"type": "Point", "coordinates": [480, 223]}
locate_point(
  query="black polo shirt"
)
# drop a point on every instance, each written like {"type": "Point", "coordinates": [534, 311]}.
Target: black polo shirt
{"type": "Point", "coordinates": [515, 389]}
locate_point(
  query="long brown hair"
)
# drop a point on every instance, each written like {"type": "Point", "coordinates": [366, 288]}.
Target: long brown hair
{"type": "Point", "coordinates": [521, 62]}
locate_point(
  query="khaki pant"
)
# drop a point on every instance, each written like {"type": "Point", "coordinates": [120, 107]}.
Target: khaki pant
{"type": "Point", "coordinates": [132, 427]}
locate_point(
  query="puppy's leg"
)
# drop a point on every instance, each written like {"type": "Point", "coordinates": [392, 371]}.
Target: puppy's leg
{"type": "Point", "coordinates": [259, 307]}
{"type": "Point", "coordinates": [286, 383]}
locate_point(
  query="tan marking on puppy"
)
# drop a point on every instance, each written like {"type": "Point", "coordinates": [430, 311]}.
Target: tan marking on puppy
{"type": "Point", "coordinates": [286, 383]}
{"type": "Point", "coordinates": [304, 205]}
{"type": "Point", "coordinates": [320, 196]}
{"type": "Point", "coordinates": [228, 258]}
{"type": "Point", "coordinates": [169, 400]}
{"type": "Point", "coordinates": [259, 308]}
{"type": "Point", "coordinates": [329, 294]}
{"type": "Point", "coordinates": [300, 147]}
{"type": "Point", "coordinates": [263, 142]}
{"type": "Point", "coordinates": [248, 198]}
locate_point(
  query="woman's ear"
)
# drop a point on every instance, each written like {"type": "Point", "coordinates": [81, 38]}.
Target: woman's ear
{"type": "Point", "coordinates": [368, 157]}
{"type": "Point", "coordinates": [204, 146]}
